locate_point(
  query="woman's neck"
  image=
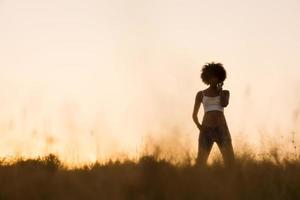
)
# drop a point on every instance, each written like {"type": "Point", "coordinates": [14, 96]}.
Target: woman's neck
{"type": "Point", "coordinates": [213, 87]}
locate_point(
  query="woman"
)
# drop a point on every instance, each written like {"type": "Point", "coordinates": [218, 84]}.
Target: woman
{"type": "Point", "coordinates": [214, 127]}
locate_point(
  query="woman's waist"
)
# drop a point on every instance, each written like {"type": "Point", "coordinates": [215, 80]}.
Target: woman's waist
{"type": "Point", "coordinates": [214, 118]}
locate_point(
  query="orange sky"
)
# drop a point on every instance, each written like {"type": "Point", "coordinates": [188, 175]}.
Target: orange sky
{"type": "Point", "coordinates": [90, 79]}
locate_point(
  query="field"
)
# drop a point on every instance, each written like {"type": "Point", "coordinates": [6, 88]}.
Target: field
{"type": "Point", "coordinates": [151, 178]}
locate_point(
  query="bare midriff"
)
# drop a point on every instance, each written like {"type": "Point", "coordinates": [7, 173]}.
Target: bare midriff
{"type": "Point", "coordinates": [214, 118]}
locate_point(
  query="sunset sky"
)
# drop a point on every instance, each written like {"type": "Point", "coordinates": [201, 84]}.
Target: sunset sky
{"type": "Point", "coordinates": [92, 79]}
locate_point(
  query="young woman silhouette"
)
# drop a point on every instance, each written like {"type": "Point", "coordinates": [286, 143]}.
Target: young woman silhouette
{"type": "Point", "coordinates": [214, 127]}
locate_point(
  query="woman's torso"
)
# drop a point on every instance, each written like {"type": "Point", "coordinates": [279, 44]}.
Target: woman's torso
{"type": "Point", "coordinates": [212, 117]}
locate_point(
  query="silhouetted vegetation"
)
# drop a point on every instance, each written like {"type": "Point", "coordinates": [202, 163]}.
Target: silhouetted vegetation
{"type": "Point", "coordinates": [150, 178]}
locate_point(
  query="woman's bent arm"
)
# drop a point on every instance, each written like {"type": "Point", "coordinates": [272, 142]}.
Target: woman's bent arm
{"type": "Point", "coordinates": [224, 98]}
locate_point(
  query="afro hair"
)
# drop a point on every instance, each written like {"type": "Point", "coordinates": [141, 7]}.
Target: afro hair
{"type": "Point", "coordinates": [213, 69]}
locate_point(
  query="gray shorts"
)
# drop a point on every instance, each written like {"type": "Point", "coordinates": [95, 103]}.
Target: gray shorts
{"type": "Point", "coordinates": [218, 134]}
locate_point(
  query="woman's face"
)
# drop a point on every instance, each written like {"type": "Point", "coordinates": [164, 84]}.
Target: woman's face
{"type": "Point", "coordinates": [213, 80]}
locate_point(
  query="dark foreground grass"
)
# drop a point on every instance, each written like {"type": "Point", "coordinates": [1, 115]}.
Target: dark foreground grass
{"type": "Point", "coordinates": [150, 178]}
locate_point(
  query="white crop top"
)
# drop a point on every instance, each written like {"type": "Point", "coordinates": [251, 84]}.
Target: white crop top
{"type": "Point", "coordinates": [211, 103]}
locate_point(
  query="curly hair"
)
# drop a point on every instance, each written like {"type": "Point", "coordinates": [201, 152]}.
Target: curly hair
{"type": "Point", "coordinates": [213, 69]}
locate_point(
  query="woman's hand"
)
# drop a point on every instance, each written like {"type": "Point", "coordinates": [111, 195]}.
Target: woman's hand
{"type": "Point", "coordinates": [200, 127]}
{"type": "Point", "coordinates": [220, 85]}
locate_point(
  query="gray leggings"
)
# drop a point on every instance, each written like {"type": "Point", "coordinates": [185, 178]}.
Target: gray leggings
{"type": "Point", "coordinates": [219, 134]}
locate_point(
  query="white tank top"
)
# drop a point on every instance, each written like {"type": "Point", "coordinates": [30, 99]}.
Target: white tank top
{"type": "Point", "coordinates": [211, 103]}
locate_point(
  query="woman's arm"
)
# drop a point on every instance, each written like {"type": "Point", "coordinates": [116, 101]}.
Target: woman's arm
{"type": "Point", "coordinates": [224, 95]}
{"type": "Point", "coordinates": [198, 100]}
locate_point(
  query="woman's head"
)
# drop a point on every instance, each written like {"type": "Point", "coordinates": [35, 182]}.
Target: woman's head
{"type": "Point", "coordinates": [213, 73]}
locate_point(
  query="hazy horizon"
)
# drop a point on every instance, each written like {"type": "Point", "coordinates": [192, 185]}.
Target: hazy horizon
{"type": "Point", "coordinates": [91, 79]}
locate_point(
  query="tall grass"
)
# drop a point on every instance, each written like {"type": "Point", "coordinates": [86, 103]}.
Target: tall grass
{"type": "Point", "coordinates": [151, 178]}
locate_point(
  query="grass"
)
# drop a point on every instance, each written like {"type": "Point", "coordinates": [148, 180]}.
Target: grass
{"type": "Point", "coordinates": [151, 178]}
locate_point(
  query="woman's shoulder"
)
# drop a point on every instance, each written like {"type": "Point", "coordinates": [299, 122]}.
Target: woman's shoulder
{"type": "Point", "coordinates": [226, 92]}
{"type": "Point", "coordinates": [200, 94]}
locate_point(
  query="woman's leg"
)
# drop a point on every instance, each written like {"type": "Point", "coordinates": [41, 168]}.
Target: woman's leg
{"type": "Point", "coordinates": [205, 144]}
{"type": "Point", "coordinates": [225, 145]}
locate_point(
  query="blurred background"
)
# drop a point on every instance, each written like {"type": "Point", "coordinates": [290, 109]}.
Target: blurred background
{"type": "Point", "coordinates": [91, 80]}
